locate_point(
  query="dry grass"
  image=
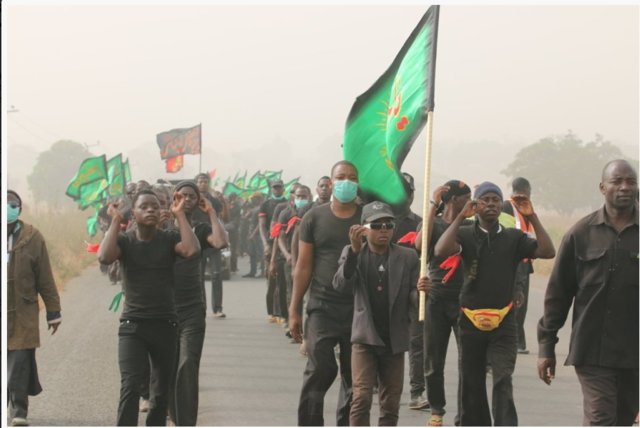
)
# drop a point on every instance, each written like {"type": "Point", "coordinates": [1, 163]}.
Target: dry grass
{"type": "Point", "coordinates": [65, 234]}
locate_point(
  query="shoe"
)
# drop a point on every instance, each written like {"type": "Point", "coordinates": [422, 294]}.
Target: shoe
{"type": "Point", "coordinates": [19, 422]}
{"type": "Point", "coordinates": [144, 405]}
{"type": "Point", "coordinates": [249, 275]}
{"type": "Point", "coordinates": [419, 403]}
{"type": "Point", "coordinates": [219, 315]}
{"type": "Point", "coordinates": [523, 351]}
{"type": "Point", "coordinates": [272, 319]}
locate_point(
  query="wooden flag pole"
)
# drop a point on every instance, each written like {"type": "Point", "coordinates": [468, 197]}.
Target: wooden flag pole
{"type": "Point", "coordinates": [425, 212]}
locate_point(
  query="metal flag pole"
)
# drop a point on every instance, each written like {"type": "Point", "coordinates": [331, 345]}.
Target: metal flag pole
{"type": "Point", "coordinates": [200, 162]}
{"type": "Point", "coordinates": [425, 212]}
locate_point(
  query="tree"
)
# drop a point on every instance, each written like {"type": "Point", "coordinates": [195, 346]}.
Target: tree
{"type": "Point", "coordinates": [564, 172]}
{"type": "Point", "coordinates": [53, 171]}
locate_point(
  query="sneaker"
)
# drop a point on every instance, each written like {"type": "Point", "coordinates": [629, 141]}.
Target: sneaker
{"type": "Point", "coordinates": [19, 422]}
{"type": "Point", "coordinates": [523, 351]}
{"type": "Point", "coordinates": [272, 319]}
{"type": "Point", "coordinates": [144, 405]}
{"type": "Point", "coordinates": [219, 315]}
{"type": "Point", "coordinates": [418, 402]}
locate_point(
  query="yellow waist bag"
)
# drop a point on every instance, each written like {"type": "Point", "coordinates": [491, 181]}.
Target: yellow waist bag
{"type": "Point", "coordinates": [487, 319]}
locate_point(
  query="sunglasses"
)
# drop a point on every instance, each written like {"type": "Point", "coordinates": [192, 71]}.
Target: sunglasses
{"type": "Point", "coordinates": [381, 226]}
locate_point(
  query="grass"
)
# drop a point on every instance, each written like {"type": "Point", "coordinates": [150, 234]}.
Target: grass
{"type": "Point", "coordinates": [65, 234]}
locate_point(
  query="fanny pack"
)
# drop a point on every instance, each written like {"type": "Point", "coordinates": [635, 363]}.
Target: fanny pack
{"type": "Point", "coordinates": [487, 319]}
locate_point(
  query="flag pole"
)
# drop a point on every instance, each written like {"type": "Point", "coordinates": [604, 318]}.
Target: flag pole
{"type": "Point", "coordinates": [425, 212]}
{"type": "Point", "coordinates": [200, 161]}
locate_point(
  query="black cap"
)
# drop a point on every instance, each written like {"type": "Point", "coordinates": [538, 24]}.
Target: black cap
{"type": "Point", "coordinates": [277, 182]}
{"type": "Point", "coordinates": [375, 211]}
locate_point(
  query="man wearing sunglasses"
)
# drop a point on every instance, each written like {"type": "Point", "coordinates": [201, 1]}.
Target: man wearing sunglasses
{"type": "Point", "coordinates": [28, 275]}
{"type": "Point", "coordinates": [382, 276]}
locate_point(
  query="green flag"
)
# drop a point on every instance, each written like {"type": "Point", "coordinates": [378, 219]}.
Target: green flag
{"type": "Point", "coordinates": [92, 224]}
{"type": "Point", "coordinates": [127, 171]}
{"type": "Point", "coordinates": [90, 170]}
{"type": "Point", "coordinates": [232, 188]}
{"type": "Point", "coordinates": [93, 193]}
{"type": "Point", "coordinates": [115, 176]}
{"type": "Point", "coordinates": [386, 119]}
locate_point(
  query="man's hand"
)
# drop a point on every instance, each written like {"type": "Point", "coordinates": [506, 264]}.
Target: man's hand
{"type": "Point", "coordinates": [470, 209]}
{"type": "Point", "coordinates": [177, 206]}
{"type": "Point", "coordinates": [425, 284]}
{"type": "Point", "coordinates": [165, 216]}
{"type": "Point", "coordinates": [356, 232]}
{"type": "Point", "coordinates": [272, 271]}
{"type": "Point", "coordinates": [54, 327]}
{"type": "Point", "coordinates": [114, 213]}
{"type": "Point", "coordinates": [437, 194]}
{"type": "Point", "coordinates": [523, 204]}
{"type": "Point", "coordinates": [547, 369]}
{"type": "Point", "coordinates": [205, 206]}
{"type": "Point", "coordinates": [295, 326]}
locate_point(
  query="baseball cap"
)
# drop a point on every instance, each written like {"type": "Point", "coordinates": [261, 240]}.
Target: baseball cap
{"type": "Point", "coordinates": [376, 210]}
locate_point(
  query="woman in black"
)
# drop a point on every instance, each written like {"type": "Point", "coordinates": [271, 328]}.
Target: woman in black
{"type": "Point", "coordinates": [148, 326]}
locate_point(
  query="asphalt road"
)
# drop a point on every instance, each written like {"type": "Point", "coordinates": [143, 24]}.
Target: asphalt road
{"type": "Point", "coordinates": [250, 374]}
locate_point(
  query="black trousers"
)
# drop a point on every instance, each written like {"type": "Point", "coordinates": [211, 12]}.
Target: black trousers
{"type": "Point", "coordinates": [255, 254]}
{"type": "Point", "coordinates": [441, 318]}
{"type": "Point", "coordinates": [213, 258]}
{"type": "Point", "coordinates": [610, 395]}
{"type": "Point", "coordinates": [183, 399]}
{"type": "Point", "coordinates": [272, 285]}
{"type": "Point", "coordinates": [22, 381]}
{"type": "Point", "coordinates": [138, 341]}
{"type": "Point", "coordinates": [281, 290]}
{"type": "Point", "coordinates": [416, 353]}
{"type": "Point", "coordinates": [323, 332]}
{"type": "Point", "coordinates": [234, 243]}
{"type": "Point", "coordinates": [522, 283]}
{"type": "Point", "coordinates": [477, 348]}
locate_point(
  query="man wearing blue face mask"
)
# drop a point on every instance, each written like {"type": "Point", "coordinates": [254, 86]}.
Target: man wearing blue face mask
{"type": "Point", "coordinates": [28, 275]}
{"type": "Point", "coordinates": [324, 232]}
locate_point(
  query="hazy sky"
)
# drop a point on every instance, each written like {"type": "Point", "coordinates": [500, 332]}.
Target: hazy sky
{"type": "Point", "coordinates": [272, 85]}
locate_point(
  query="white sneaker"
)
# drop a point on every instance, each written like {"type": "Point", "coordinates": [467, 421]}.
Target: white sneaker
{"type": "Point", "coordinates": [19, 422]}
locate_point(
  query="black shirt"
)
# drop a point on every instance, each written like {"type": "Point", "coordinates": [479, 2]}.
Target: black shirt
{"type": "Point", "coordinates": [490, 261]}
{"type": "Point", "coordinates": [267, 210]}
{"type": "Point", "coordinates": [189, 290]}
{"type": "Point", "coordinates": [596, 270]}
{"type": "Point", "coordinates": [404, 225]}
{"type": "Point", "coordinates": [199, 216]}
{"type": "Point", "coordinates": [329, 235]}
{"type": "Point", "coordinates": [377, 279]}
{"type": "Point", "coordinates": [147, 268]}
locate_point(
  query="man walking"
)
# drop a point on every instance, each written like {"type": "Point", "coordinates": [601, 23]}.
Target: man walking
{"type": "Point", "coordinates": [597, 272]}
{"type": "Point", "coordinates": [28, 276]}
{"type": "Point", "coordinates": [324, 232]}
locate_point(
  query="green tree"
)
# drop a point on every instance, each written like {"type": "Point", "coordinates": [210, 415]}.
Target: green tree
{"type": "Point", "coordinates": [53, 171]}
{"type": "Point", "coordinates": [564, 171]}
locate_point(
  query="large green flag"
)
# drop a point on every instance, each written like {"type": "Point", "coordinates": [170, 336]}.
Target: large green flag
{"type": "Point", "coordinates": [386, 119]}
{"type": "Point", "coordinates": [90, 170]}
{"type": "Point", "coordinates": [115, 176]}
{"type": "Point", "coordinates": [127, 171]}
{"type": "Point", "coordinates": [93, 193]}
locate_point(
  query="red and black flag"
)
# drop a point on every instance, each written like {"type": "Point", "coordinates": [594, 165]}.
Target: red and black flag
{"type": "Point", "coordinates": [181, 141]}
{"type": "Point", "coordinates": [174, 164]}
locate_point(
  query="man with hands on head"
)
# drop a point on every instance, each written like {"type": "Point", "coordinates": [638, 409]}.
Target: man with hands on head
{"type": "Point", "coordinates": [148, 325]}
{"type": "Point", "coordinates": [597, 272]}
{"type": "Point", "coordinates": [487, 327]}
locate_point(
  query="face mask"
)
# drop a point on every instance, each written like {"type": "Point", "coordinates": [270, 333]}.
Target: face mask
{"type": "Point", "coordinates": [299, 203]}
{"type": "Point", "coordinates": [12, 214]}
{"type": "Point", "coordinates": [279, 198]}
{"type": "Point", "coordinates": [345, 190]}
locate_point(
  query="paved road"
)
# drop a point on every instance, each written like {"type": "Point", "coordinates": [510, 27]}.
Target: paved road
{"type": "Point", "coordinates": [250, 375]}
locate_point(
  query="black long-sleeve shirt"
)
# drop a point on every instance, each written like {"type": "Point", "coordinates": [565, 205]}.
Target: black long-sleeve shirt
{"type": "Point", "coordinates": [596, 270]}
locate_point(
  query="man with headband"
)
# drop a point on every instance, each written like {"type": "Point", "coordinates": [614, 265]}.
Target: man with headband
{"type": "Point", "coordinates": [487, 327]}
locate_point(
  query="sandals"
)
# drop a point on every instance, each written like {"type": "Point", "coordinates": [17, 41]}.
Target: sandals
{"type": "Point", "coordinates": [435, 421]}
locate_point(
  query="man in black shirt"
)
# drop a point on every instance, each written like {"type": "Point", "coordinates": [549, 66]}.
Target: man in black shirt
{"type": "Point", "coordinates": [490, 255]}
{"type": "Point", "coordinates": [233, 227]}
{"type": "Point", "coordinates": [191, 308]}
{"type": "Point", "coordinates": [148, 326]}
{"type": "Point", "coordinates": [211, 257]}
{"type": "Point", "coordinates": [265, 217]}
{"type": "Point", "coordinates": [597, 272]}
{"type": "Point", "coordinates": [324, 232]}
{"type": "Point", "coordinates": [382, 276]}
{"type": "Point", "coordinates": [443, 304]}
{"type": "Point", "coordinates": [521, 186]}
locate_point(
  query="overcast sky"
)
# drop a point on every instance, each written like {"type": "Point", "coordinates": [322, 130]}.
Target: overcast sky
{"type": "Point", "coordinates": [272, 85]}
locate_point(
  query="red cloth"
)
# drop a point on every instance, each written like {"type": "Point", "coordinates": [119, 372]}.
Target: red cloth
{"type": "Point", "coordinates": [409, 238]}
{"type": "Point", "coordinates": [291, 223]}
{"type": "Point", "coordinates": [93, 248]}
{"type": "Point", "coordinates": [452, 263]}
{"type": "Point", "coordinates": [275, 230]}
